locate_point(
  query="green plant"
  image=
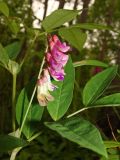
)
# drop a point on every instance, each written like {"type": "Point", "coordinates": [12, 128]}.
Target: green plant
{"type": "Point", "coordinates": [27, 111]}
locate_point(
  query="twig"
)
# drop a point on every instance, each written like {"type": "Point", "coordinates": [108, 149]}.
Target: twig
{"type": "Point", "coordinates": [111, 128]}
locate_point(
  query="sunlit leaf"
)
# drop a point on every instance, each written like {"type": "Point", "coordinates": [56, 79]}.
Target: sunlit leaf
{"type": "Point", "coordinates": [81, 132]}
{"type": "Point", "coordinates": [58, 18]}
{"type": "Point", "coordinates": [91, 26]}
{"type": "Point", "coordinates": [74, 36]}
{"type": "Point", "coordinates": [4, 9]}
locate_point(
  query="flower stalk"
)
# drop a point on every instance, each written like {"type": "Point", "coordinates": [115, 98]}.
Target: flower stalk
{"type": "Point", "coordinates": [15, 151]}
{"type": "Point", "coordinates": [33, 94]}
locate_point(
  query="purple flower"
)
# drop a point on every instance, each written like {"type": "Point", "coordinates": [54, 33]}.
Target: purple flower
{"type": "Point", "coordinates": [57, 58]}
{"type": "Point", "coordinates": [55, 43]}
{"type": "Point", "coordinates": [57, 75]}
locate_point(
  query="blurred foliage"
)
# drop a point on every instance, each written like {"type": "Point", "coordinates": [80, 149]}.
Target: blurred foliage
{"type": "Point", "coordinates": [101, 45]}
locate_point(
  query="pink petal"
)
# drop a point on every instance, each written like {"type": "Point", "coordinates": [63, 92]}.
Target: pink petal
{"type": "Point", "coordinates": [55, 38]}
{"type": "Point", "coordinates": [41, 81]}
{"type": "Point", "coordinates": [48, 56]}
{"type": "Point", "coordinates": [55, 65]}
{"type": "Point", "coordinates": [60, 57]}
{"type": "Point", "coordinates": [57, 75]}
{"type": "Point", "coordinates": [57, 59]}
{"type": "Point", "coordinates": [56, 43]}
{"type": "Point", "coordinates": [52, 44]}
{"type": "Point", "coordinates": [61, 46]}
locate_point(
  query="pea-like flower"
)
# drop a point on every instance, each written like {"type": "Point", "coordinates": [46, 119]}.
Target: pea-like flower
{"type": "Point", "coordinates": [44, 85]}
{"type": "Point", "coordinates": [57, 58]}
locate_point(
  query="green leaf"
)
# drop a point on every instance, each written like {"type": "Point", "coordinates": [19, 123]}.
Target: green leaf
{"type": "Point", "coordinates": [8, 143]}
{"type": "Point", "coordinates": [13, 67]}
{"type": "Point", "coordinates": [91, 26]}
{"type": "Point", "coordinates": [15, 133]}
{"type": "Point", "coordinates": [13, 49]}
{"type": "Point", "coordinates": [34, 114]}
{"type": "Point", "coordinates": [110, 100]}
{"type": "Point", "coordinates": [118, 131]}
{"type": "Point", "coordinates": [4, 9]}
{"type": "Point", "coordinates": [97, 84]}
{"type": "Point", "coordinates": [63, 94]}
{"type": "Point", "coordinates": [58, 18]}
{"type": "Point", "coordinates": [3, 56]}
{"type": "Point", "coordinates": [74, 36]}
{"type": "Point", "coordinates": [14, 27]}
{"type": "Point", "coordinates": [111, 144]}
{"type": "Point", "coordinates": [90, 62]}
{"type": "Point", "coordinates": [111, 157]}
{"type": "Point", "coordinates": [81, 132]}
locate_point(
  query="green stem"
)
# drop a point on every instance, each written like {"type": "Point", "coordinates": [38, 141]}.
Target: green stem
{"type": "Point", "coordinates": [14, 153]}
{"type": "Point", "coordinates": [91, 107]}
{"type": "Point", "coordinates": [33, 94]}
{"type": "Point", "coordinates": [13, 101]}
{"type": "Point", "coordinates": [116, 112]}
{"type": "Point", "coordinates": [34, 136]}
{"type": "Point", "coordinates": [73, 114]}
{"type": "Point", "coordinates": [16, 150]}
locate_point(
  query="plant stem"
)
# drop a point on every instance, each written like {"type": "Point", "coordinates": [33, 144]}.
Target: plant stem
{"type": "Point", "coordinates": [16, 150]}
{"type": "Point", "coordinates": [14, 153]}
{"type": "Point", "coordinates": [91, 107]}
{"type": "Point", "coordinates": [29, 105]}
{"type": "Point", "coordinates": [81, 110]}
{"type": "Point", "coordinates": [34, 136]}
{"type": "Point", "coordinates": [13, 101]}
{"type": "Point", "coordinates": [116, 112]}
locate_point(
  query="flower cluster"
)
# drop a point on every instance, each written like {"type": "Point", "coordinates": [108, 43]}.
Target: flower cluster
{"type": "Point", "coordinates": [56, 59]}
